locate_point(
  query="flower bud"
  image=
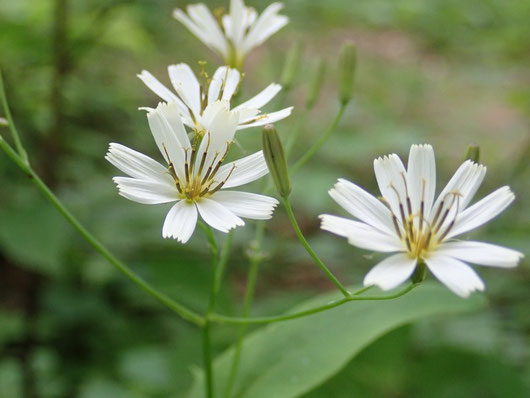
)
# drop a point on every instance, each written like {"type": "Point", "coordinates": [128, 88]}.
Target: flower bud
{"type": "Point", "coordinates": [316, 84]}
{"type": "Point", "coordinates": [291, 65]}
{"type": "Point", "coordinates": [347, 64]}
{"type": "Point", "coordinates": [275, 158]}
{"type": "Point", "coordinates": [3, 122]}
{"type": "Point", "coordinates": [473, 153]}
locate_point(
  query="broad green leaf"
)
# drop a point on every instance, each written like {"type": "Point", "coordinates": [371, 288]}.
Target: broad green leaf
{"type": "Point", "coordinates": [287, 359]}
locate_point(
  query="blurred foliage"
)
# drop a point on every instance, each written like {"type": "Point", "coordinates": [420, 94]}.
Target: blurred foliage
{"type": "Point", "coordinates": [444, 71]}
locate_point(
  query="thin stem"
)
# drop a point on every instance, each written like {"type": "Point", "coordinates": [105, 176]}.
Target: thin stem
{"type": "Point", "coordinates": [300, 162]}
{"type": "Point", "coordinates": [207, 358]}
{"type": "Point", "coordinates": [180, 309]}
{"type": "Point", "coordinates": [12, 128]}
{"type": "Point", "coordinates": [272, 319]}
{"type": "Point", "coordinates": [255, 260]}
{"type": "Point", "coordinates": [308, 248]}
{"type": "Point", "coordinates": [219, 261]}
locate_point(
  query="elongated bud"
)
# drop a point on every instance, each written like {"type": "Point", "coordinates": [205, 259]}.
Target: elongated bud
{"type": "Point", "coordinates": [3, 122]}
{"type": "Point", "coordinates": [473, 153]}
{"type": "Point", "coordinates": [275, 158]}
{"type": "Point", "coordinates": [347, 65]}
{"type": "Point", "coordinates": [316, 84]}
{"type": "Point", "coordinates": [291, 65]}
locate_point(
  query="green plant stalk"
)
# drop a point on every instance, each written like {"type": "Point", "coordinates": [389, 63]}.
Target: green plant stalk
{"type": "Point", "coordinates": [273, 319]}
{"type": "Point", "coordinates": [219, 261]}
{"type": "Point", "coordinates": [308, 248]}
{"type": "Point", "coordinates": [12, 128]}
{"type": "Point", "coordinates": [300, 162]}
{"type": "Point", "coordinates": [178, 308]}
{"type": "Point", "coordinates": [255, 261]}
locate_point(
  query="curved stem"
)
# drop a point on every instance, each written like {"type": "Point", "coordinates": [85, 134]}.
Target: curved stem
{"type": "Point", "coordinates": [180, 309]}
{"type": "Point", "coordinates": [12, 128]}
{"type": "Point", "coordinates": [272, 319]}
{"type": "Point", "coordinates": [308, 248]}
{"type": "Point", "coordinates": [300, 162]}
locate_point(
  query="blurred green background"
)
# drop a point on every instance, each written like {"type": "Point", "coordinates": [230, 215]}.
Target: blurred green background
{"type": "Point", "coordinates": [445, 72]}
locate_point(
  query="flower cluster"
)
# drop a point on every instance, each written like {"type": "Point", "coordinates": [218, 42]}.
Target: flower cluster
{"type": "Point", "coordinates": [194, 129]}
{"type": "Point", "coordinates": [196, 175]}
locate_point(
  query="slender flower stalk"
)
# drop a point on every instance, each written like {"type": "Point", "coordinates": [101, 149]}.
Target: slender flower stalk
{"type": "Point", "coordinates": [238, 32]}
{"type": "Point", "coordinates": [194, 97]}
{"type": "Point", "coordinates": [195, 176]}
{"type": "Point", "coordinates": [408, 221]}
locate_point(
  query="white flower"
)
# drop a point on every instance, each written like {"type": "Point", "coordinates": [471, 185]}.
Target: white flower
{"type": "Point", "coordinates": [241, 29]}
{"type": "Point", "coordinates": [194, 99]}
{"type": "Point", "coordinates": [195, 176]}
{"type": "Point", "coordinates": [409, 221]}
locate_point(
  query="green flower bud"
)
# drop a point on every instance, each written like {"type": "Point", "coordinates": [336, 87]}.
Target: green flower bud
{"type": "Point", "coordinates": [275, 158]}
{"type": "Point", "coordinates": [316, 84]}
{"type": "Point", "coordinates": [473, 153]}
{"type": "Point", "coordinates": [291, 65]}
{"type": "Point", "coordinates": [347, 64]}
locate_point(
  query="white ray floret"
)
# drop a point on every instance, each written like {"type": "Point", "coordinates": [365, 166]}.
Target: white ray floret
{"type": "Point", "coordinates": [199, 101]}
{"type": "Point", "coordinates": [408, 221]}
{"type": "Point", "coordinates": [240, 30]}
{"type": "Point", "coordinates": [194, 175]}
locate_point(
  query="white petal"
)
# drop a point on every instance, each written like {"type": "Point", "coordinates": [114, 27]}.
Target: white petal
{"type": "Point", "coordinates": [169, 144]}
{"type": "Point", "coordinates": [390, 174]}
{"type": "Point", "coordinates": [361, 235]}
{"type": "Point", "coordinates": [146, 191]}
{"type": "Point", "coordinates": [391, 272]}
{"type": "Point", "coordinates": [136, 164]}
{"type": "Point", "coordinates": [456, 275]}
{"type": "Point", "coordinates": [265, 26]}
{"type": "Point", "coordinates": [261, 99]}
{"type": "Point", "coordinates": [482, 211]}
{"type": "Point", "coordinates": [245, 204]}
{"type": "Point", "coordinates": [180, 221]}
{"type": "Point", "coordinates": [363, 206]}
{"type": "Point", "coordinates": [186, 85]}
{"type": "Point", "coordinates": [218, 216]}
{"type": "Point", "coordinates": [231, 83]}
{"type": "Point", "coordinates": [465, 182]}
{"type": "Point", "coordinates": [267, 118]}
{"type": "Point", "coordinates": [204, 27]}
{"type": "Point", "coordinates": [217, 140]}
{"type": "Point", "coordinates": [421, 178]}
{"type": "Point", "coordinates": [158, 88]}
{"type": "Point", "coordinates": [218, 79]}
{"type": "Point", "coordinates": [237, 21]}
{"type": "Point", "coordinates": [245, 170]}
{"type": "Point", "coordinates": [481, 253]}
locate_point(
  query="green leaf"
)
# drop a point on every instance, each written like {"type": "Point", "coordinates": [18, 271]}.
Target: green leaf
{"type": "Point", "coordinates": [287, 359]}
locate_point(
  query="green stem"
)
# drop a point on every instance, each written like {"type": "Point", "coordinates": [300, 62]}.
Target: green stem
{"type": "Point", "coordinates": [308, 248]}
{"type": "Point", "coordinates": [219, 261]}
{"type": "Point", "coordinates": [300, 162]}
{"type": "Point", "coordinates": [255, 261]}
{"type": "Point", "coordinates": [180, 309]}
{"type": "Point", "coordinates": [12, 128]}
{"type": "Point", "coordinates": [207, 358]}
{"type": "Point", "coordinates": [272, 319]}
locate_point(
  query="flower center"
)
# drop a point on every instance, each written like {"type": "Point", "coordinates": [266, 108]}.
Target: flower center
{"type": "Point", "coordinates": [199, 179]}
{"type": "Point", "coordinates": [419, 234]}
